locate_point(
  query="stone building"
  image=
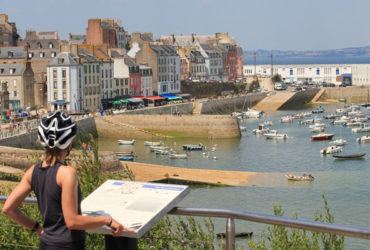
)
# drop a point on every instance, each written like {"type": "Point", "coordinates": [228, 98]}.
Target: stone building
{"type": "Point", "coordinates": [213, 63]}
{"type": "Point", "coordinates": [106, 31]}
{"type": "Point", "coordinates": [65, 84]}
{"type": "Point", "coordinates": [8, 32]}
{"type": "Point", "coordinates": [135, 79]}
{"type": "Point", "coordinates": [146, 75]}
{"type": "Point", "coordinates": [197, 65]}
{"type": "Point", "coordinates": [20, 84]}
{"type": "Point", "coordinates": [4, 96]}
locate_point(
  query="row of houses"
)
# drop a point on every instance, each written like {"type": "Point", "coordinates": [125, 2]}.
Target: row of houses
{"type": "Point", "coordinates": [107, 64]}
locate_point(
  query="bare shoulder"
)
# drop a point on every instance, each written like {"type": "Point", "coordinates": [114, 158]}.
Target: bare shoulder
{"type": "Point", "coordinates": [28, 175]}
{"type": "Point", "coordinates": [66, 174]}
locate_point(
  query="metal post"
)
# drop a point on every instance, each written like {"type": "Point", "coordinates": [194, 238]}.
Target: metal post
{"type": "Point", "coordinates": [230, 234]}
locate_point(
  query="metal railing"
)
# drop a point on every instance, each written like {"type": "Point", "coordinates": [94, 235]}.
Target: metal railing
{"type": "Point", "coordinates": [231, 215]}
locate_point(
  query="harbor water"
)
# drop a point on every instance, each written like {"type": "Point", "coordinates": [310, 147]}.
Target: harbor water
{"type": "Point", "coordinates": [345, 183]}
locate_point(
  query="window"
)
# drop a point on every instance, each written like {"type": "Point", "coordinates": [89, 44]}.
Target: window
{"type": "Point", "coordinates": [53, 54]}
{"type": "Point", "coordinates": [64, 84]}
{"type": "Point", "coordinates": [93, 68]}
{"type": "Point", "coordinates": [97, 69]}
{"type": "Point", "coordinates": [64, 96]}
{"type": "Point", "coordinates": [51, 45]}
{"type": "Point", "coordinates": [30, 55]}
{"type": "Point", "coordinates": [126, 81]}
{"type": "Point", "coordinates": [85, 69]}
{"type": "Point", "coordinates": [55, 96]}
{"type": "Point", "coordinates": [121, 81]}
{"type": "Point", "coordinates": [337, 71]}
{"type": "Point", "coordinates": [12, 71]}
{"type": "Point", "coordinates": [89, 68]}
{"type": "Point", "coordinates": [14, 83]}
{"type": "Point", "coordinates": [85, 79]}
{"type": "Point", "coordinates": [291, 72]}
{"type": "Point", "coordinates": [55, 85]}
{"type": "Point", "coordinates": [64, 73]}
{"type": "Point", "coordinates": [117, 82]}
{"type": "Point", "coordinates": [42, 54]}
{"type": "Point", "coordinates": [15, 93]}
{"type": "Point", "coordinates": [317, 71]}
{"type": "Point", "coordinates": [39, 46]}
{"type": "Point", "coordinates": [54, 73]}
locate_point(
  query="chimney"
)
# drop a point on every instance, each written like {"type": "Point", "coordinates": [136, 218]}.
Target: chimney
{"type": "Point", "coordinates": [173, 39]}
{"type": "Point", "coordinates": [192, 37]}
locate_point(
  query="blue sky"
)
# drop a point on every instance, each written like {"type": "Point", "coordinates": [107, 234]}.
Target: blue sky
{"type": "Point", "coordinates": [258, 24]}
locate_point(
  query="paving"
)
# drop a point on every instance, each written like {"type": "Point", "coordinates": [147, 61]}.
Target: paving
{"type": "Point", "coordinates": [274, 102]}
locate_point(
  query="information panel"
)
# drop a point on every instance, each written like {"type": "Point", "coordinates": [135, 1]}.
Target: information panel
{"type": "Point", "coordinates": [137, 205]}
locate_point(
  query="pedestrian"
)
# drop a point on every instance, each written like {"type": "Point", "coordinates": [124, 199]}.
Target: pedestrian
{"type": "Point", "coordinates": [57, 190]}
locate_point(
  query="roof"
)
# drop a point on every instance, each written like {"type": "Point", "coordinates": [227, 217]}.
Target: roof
{"type": "Point", "coordinates": [86, 56]}
{"type": "Point", "coordinates": [130, 63]}
{"type": "Point", "coordinates": [77, 39]}
{"type": "Point", "coordinates": [17, 69]}
{"type": "Point", "coordinates": [115, 54]}
{"type": "Point", "coordinates": [63, 59]}
{"type": "Point", "coordinates": [16, 52]}
{"type": "Point", "coordinates": [164, 50]}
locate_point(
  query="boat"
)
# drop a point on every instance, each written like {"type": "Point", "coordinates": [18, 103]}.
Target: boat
{"type": "Point", "coordinates": [130, 153]}
{"type": "Point", "coordinates": [273, 134]}
{"type": "Point", "coordinates": [154, 148]}
{"type": "Point", "coordinates": [162, 152]}
{"type": "Point", "coordinates": [319, 126]}
{"type": "Point", "coordinates": [303, 177]}
{"type": "Point", "coordinates": [125, 158]}
{"type": "Point", "coordinates": [242, 128]}
{"type": "Point", "coordinates": [322, 137]}
{"type": "Point", "coordinates": [286, 119]}
{"type": "Point", "coordinates": [190, 147]}
{"type": "Point", "coordinates": [355, 156]}
{"type": "Point", "coordinates": [331, 150]}
{"type": "Point", "coordinates": [268, 123]}
{"type": "Point", "coordinates": [153, 143]}
{"type": "Point", "coordinates": [309, 121]}
{"type": "Point", "coordinates": [331, 116]}
{"type": "Point", "coordinates": [178, 156]}
{"type": "Point", "coordinates": [339, 142]}
{"type": "Point", "coordinates": [342, 120]}
{"type": "Point", "coordinates": [363, 128]}
{"type": "Point", "coordinates": [262, 129]}
{"type": "Point", "coordinates": [363, 139]}
{"type": "Point", "coordinates": [353, 124]}
{"type": "Point", "coordinates": [340, 111]}
{"type": "Point", "coordinates": [123, 142]}
{"type": "Point", "coordinates": [318, 110]}
{"type": "Point", "coordinates": [252, 113]}
{"type": "Point", "coordinates": [317, 129]}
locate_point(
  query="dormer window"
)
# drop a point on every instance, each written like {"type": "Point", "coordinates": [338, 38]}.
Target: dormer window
{"type": "Point", "coordinates": [51, 45]}
{"type": "Point", "coordinates": [39, 46]}
{"type": "Point", "coordinates": [12, 71]}
{"type": "Point", "coordinates": [53, 54]}
{"type": "Point", "coordinates": [10, 54]}
{"type": "Point", "coordinates": [42, 54]}
{"type": "Point", "coordinates": [60, 60]}
{"type": "Point", "coordinates": [1, 71]}
{"type": "Point", "coordinates": [30, 55]}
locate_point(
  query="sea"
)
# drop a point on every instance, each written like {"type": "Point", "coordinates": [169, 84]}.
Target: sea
{"type": "Point", "coordinates": [344, 183]}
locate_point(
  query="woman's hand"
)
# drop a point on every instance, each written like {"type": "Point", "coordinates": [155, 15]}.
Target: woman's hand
{"type": "Point", "coordinates": [118, 228]}
{"type": "Point", "coordinates": [40, 231]}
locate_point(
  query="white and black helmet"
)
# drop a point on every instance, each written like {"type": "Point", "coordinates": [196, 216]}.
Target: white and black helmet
{"type": "Point", "coordinates": [57, 130]}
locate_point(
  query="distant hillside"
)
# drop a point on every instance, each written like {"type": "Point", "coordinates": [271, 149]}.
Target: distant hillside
{"type": "Point", "coordinates": [347, 55]}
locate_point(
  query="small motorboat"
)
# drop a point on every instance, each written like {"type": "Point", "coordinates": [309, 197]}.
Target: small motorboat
{"type": "Point", "coordinates": [178, 156]}
{"type": "Point", "coordinates": [273, 134]}
{"type": "Point", "coordinates": [162, 152]}
{"type": "Point", "coordinates": [331, 116]}
{"type": "Point", "coordinates": [318, 110]}
{"type": "Point", "coordinates": [268, 123]}
{"type": "Point", "coordinates": [353, 124]}
{"type": "Point", "coordinates": [364, 128]}
{"type": "Point", "coordinates": [286, 119]}
{"type": "Point", "coordinates": [154, 148]}
{"type": "Point", "coordinates": [190, 147]}
{"type": "Point", "coordinates": [262, 129]}
{"type": "Point", "coordinates": [363, 139]}
{"type": "Point", "coordinates": [125, 158]}
{"type": "Point", "coordinates": [342, 120]}
{"type": "Point", "coordinates": [355, 156]}
{"type": "Point", "coordinates": [123, 142]}
{"type": "Point", "coordinates": [252, 113]}
{"type": "Point", "coordinates": [153, 143]}
{"type": "Point", "coordinates": [339, 142]}
{"type": "Point", "coordinates": [322, 137]}
{"type": "Point", "coordinates": [130, 153]}
{"type": "Point", "coordinates": [242, 128]}
{"type": "Point", "coordinates": [303, 177]}
{"type": "Point", "coordinates": [305, 122]}
{"type": "Point", "coordinates": [331, 150]}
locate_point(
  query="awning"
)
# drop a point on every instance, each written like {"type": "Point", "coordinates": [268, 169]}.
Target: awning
{"type": "Point", "coordinates": [171, 96]}
{"type": "Point", "coordinates": [155, 98]}
{"type": "Point", "coordinates": [59, 102]}
{"type": "Point", "coordinates": [140, 97]}
{"type": "Point", "coordinates": [117, 102]}
{"type": "Point", "coordinates": [134, 100]}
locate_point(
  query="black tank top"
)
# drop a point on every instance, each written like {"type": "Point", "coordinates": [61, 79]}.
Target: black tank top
{"type": "Point", "coordinates": [49, 200]}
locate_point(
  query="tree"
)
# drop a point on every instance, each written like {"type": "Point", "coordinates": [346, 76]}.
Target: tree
{"type": "Point", "coordinates": [276, 78]}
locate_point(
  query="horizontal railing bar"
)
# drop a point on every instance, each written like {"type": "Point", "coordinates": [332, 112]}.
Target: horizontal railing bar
{"type": "Point", "coordinates": [356, 232]}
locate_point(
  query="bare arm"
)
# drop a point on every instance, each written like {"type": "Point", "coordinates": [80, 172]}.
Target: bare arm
{"type": "Point", "coordinates": [67, 178]}
{"type": "Point", "coordinates": [11, 206]}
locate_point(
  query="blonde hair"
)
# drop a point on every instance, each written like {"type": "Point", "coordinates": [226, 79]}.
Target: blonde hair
{"type": "Point", "coordinates": [52, 155]}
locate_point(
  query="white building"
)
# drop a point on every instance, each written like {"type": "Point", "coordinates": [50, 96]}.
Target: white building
{"type": "Point", "coordinates": [317, 73]}
{"type": "Point", "coordinates": [121, 77]}
{"type": "Point", "coordinates": [213, 63]}
{"type": "Point", "coordinates": [360, 74]}
{"type": "Point", "coordinates": [106, 77]}
{"type": "Point", "coordinates": [146, 76]}
{"type": "Point", "coordinates": [65, 83]}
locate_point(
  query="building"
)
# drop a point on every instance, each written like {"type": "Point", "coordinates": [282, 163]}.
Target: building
{"type": "Point", "coordinates": [232, 62]}
{"type": "Point", "coordinates": [184, 62]}
{"type": "Point", "coordinates": [121, 77]}
{"type": "Point", "coordinates": [8, 32]}
{"type": "Point", "coordinates": [106, 31]}
{"type": "Point", "coordinates": [20, 83]}
{"type": "Point", "coordinates": [239, 62]}
{"type": "Point", "coordinates": [76, 39]}
{"type": "Point", "coordinates": [195, 40]}
{"type": "Point", "coordinates": [168, 69]}
{"type": "Point", "coordinates": [41, 49]}
{"type": "Point", "coordinates": [316, 73]}
{"type": "Point", "coordinates": [4, 96]}
{"type": "Point", "coordinates": [135, 78]}
{"type": "Point", "coordinates": [360, 74]}
{"type": "Point", "coordinates": [213, 63]}
{"type": "Point", "coordinates": [65, 85]}
{"type": "Point", "coordinates": [197, 65]}
{"type": "Point", "coordinates": [146, 76]}
{"type": "Point", "coordinates": [13, 55]}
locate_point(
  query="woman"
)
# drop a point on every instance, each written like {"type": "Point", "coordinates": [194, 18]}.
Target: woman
{"type": "Point", "coordinates": [58, 193]}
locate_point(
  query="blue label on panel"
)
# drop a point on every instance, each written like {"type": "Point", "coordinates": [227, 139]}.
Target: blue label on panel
{"type": "Point", "coordinates": [117, 183]}
{"type": "Point", "coordinates": [163, 187]}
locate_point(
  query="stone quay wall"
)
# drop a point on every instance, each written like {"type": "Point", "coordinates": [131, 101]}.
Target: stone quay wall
{"type": "Point", "coordinates": [299, 99]}
{"type": "Point", "coordinates": [352, 94]}
{"type": "Point", "coordinates": [127, 127]}
{"type": "Point", "coordinates": [30, 140]}
{"type": "Point", "coordinates": [183, 108]}
{"type": "Point", "coordinates": [228, 105]}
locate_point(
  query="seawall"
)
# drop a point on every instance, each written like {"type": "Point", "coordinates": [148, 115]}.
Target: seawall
{"type": "Point", "coordinates": [125, 126]}
{"type": "Point", "coordinates": [29, 140]}
{"type": "Point", "coordinates": [299, 99]}
{"type": "Point", "coordinates": [352, 94]}
{"type": "Point", "coordinates": [183, 108]}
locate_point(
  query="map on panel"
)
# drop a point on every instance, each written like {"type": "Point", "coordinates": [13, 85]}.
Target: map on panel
{"type": "Point", "coordinates": [137, 205]}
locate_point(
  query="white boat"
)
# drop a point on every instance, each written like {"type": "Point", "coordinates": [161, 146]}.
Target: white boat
{"type": "Point", "coordinates": [162, 152]}
{"type": "Point", "coordinates": [178, 156]}
{"type": "Point", "coordinates": [318, 124]}
{"type": "Point", "coordinates": [359, 119]}
{"type": "Point", "coordinates": [242, 128]}
{"type": "Point", "coordinates": [342, 120]}
{"type": "Point", "coordinates": [273, 134]}
{"type": "Point", "coordinates": [331, 150]}
{"type": "Point", "coordinates": [303, 177]}
{"type": "Point", "coordinates": [307, 114]}
{"type": "Point", "coordinates": [339, 142]}
{"type": "Point", "coordinates": [340, 111]}
{"type": "Point", "coordinates": [286, 119]}
{"type": "Point", "coordinates": [123, 142]}
{"type": "Point", "coordinates": [353, 124]}
{"type": "Point", "coordinates": [153, 143]}
{"type": "Point", "coordinates": [317, 129]}
{"type": "Point", "coordinates": [268, 123]}
{"type": "Point", "coordinates": [356, 113]}
{"type": "Point", "coordinates": [304, 122]}
{"type": "Point", "coordinates": [363, 128]}
{"type": "Point", "coordinates": [363, 139]}
{"type": "Point", "coordinates": [262, 129]}
{"type": "Point", "coordinates": [154, 148]}
{"type": "Point", "coordinates": [252, 113]}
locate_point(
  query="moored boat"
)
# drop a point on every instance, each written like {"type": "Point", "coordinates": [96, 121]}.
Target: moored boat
{"type": "Point", "coordinates": [363, 139]}
{"type": "Point", "coordinates": [123, 142]}
{"type": "Point", "coordinates": [303, 177]}
{"type": "Point", "coordinates": [130, 153]}
{"type": "Point", "coordinates": [153, 143]}
{"type": "Point", "coordinates": [355, 156]}
{"type": "Point", "coordinates": [273, 134]}
{"type": "Point", "coordinates": [125, 158]}
{"type": "Point", "coordinates": [190, 147]}
{"type": "Point", "coordinates": [262, 129]}
{"type": "Point", "coordinates": [364, 128]}
{"type": "Point", "coordinates": [331, 150]}
{"type": "Point", "coordinates": [178, 156]}
{"type": "Point", "coordinates": [252, 113]}
{"type": "Point", "coordinates": [154, 148]}
{"type": "Point", "coordinates": [286, 119]}
{"type": "Point", "coordinates": [322, 137]}
{"type": "Point", "coordinates": [318, 110]}
{"type": "Point", "coordinates": [339, 142]}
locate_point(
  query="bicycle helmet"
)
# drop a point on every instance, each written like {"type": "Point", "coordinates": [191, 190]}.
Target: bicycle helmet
{"type": "Point", "coordinates": [57, 130]}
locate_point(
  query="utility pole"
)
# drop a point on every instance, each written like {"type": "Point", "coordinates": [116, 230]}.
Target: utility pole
{"type": "Point", "coordinates": [255, 64]}
{"type": "Point", "coordinates": [272, 66]}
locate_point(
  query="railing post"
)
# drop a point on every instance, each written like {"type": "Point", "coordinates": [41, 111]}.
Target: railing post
{"type": "Point", "coordinates": [230, 234]}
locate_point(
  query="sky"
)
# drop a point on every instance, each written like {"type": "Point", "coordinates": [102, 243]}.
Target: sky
{"type": "Point", "coordinates": [258, 24]}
